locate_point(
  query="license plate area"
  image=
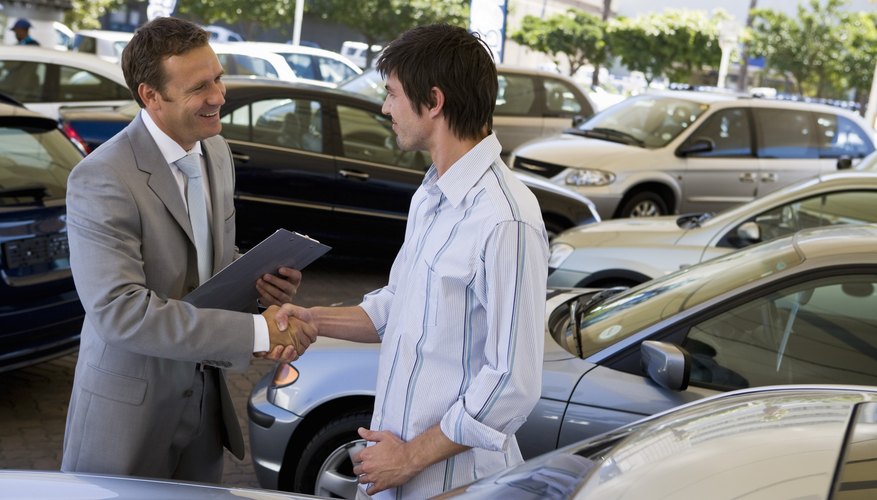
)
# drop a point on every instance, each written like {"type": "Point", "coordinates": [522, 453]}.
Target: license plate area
{"type": "Point", "coordinates": [35, 252]}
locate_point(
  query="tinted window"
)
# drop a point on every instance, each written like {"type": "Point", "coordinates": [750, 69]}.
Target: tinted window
{"type": "Point", "coordinates": [369, 137]}
{"type": "Point", "coordinates": [239, 64]}
{"type": "Point", "coordinates": [34, 157]}
{"type": "Point", "coordinates": [334, 71]}
{"type": "Point", "coordinates": [23, 80]}
{"type": "Point", "coordinates": [303, 65]}
{"type": "Point", "coordinates": [785, 133]}
{"type": "Point", "coordinates": [287, 123]}
{"type": "Point", "coordinates": [823, 331]}
{"type": "Point", "coordinates": [516, 96]}
{"type": "Point", "coordinates": [80, 85]}
{"type": "Point", "coordinates": [839, 136]}
{"type": "Point", "coordinates": [562, 99]}
{"type": "Point", "coordinates": [236, 125]}
{"type": "Point", "coordinates": [729, 131]}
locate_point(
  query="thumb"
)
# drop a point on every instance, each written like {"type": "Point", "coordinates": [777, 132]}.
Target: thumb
{"type": "Point", "coordinates": [366, 434]}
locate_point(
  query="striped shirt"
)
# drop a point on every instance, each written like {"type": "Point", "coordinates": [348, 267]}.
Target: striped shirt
{"type": "Point", "coordinates": [461, 319]}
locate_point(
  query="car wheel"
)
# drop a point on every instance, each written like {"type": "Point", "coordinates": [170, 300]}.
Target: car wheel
{"type": "Point", "coordinates": [552, 226]}
{"type": "Point", "coordinates": [325, 468]}
{"type": "Point", "coordinates": [644, 204]}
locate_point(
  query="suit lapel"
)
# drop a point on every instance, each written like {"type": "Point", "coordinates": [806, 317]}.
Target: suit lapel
{"type": "Point", "coordinates": [215, 159]}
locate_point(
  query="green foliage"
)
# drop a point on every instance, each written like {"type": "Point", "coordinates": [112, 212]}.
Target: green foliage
{"type": "Point", "coordinates": [676, 43]}
{"type": "Point", "coordinates": [827, 50]}
{"type": "Point", "coordinates": [246, 13]}
{"type": "Point", "coordinates": [85, 13]}
{"type": "Point", "coordinates": [577, 35]}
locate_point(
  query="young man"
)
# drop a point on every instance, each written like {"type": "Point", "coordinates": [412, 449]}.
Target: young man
{"type": "Point", "coordinates": [461, 320]}
{"type": "Point", "coordinates": [150, 216]}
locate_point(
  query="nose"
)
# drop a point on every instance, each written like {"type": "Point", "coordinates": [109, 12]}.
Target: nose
{"type": "Point", "coordinates": [217, 94]}
{"type": "Point", "coordinates": [385, 108]}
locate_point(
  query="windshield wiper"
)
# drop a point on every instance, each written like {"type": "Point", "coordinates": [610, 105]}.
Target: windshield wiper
{"type": "Point", "coordinates": [610, 134]}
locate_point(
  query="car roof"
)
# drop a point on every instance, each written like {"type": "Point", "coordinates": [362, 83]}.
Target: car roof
{"type": "Point", "coordinates": [68, 58]}
{"type": "Point", "coordinates": [731, 99]}
{"type": "Point", "coordinates": [257, 85]}
{"type": "Point", "coordinates": [106, 34]}
{"type": "Point", "coordinates": [296, 49]}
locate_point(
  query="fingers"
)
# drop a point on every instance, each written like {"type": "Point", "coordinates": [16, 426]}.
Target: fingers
{"type": "Point", "coordinates": [277, 290]}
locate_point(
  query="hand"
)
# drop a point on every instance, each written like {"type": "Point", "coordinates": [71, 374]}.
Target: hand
{"type": "Point", "coordinates": [291, 340]}
{"type": "Point", "coordinates": [384, 465]}
{"type": "Point", "coordinates": [277, 290]}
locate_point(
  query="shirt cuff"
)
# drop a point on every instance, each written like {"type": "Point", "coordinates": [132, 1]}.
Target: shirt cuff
{"type": "Point", "coordinates": [261, 340]}
{"type": "Point", "coordinates": [462, 429]}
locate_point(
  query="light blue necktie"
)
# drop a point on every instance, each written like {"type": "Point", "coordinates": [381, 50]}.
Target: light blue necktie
{"type": "Point", "coordinates": [197, 202]}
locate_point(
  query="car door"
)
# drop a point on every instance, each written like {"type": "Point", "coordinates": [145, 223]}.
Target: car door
{"type": "Point", "coordinates": [285, 178]}
{"type": "Point", "coordinates": [374, 179]}
{"type": "Point", "coordinates": [564, 102]}
{"type": "Point", "coordinates": [723, 171]}
{"type": "Point", "coordinates": [517, 117]}
{"type": "Point", "coordinates": [787, 147]}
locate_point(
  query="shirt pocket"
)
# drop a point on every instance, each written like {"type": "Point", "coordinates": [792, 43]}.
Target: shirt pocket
{"type": "Point", "coordinates": [448, 277]}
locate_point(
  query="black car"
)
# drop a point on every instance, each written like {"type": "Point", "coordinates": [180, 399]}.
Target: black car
{"type": "Point", "coordinates": [325, 163]}
{"type": "Point", "coordinates": [40, 313]}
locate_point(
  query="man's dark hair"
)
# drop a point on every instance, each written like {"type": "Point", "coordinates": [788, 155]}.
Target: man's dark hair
{"type": "Point", "coordinates": [452, 59]}
{"type": "Point", "coordinates": [152, 43]}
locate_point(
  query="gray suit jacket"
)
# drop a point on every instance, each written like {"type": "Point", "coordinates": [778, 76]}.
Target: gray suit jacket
{"type": "Point", "coordinates": [133, 257]}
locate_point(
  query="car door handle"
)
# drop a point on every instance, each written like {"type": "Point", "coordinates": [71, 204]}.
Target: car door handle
{"type": "Point", "coordinates": [771, 177]}
{"type": "Point", "coordinates": [747, 177]}
{"type": "Point", "coordinates": [354, 175]}
{"type": "Point", "coordinates": [240, 157]}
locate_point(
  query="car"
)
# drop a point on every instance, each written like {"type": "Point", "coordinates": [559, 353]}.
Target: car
{"type": "Point", "coordinates": [240, 59]}
{"type": "Point", "coordinates": [627, 252]}
{"type": "Point", "coordinates": [222, 34]}
{"type": "Point", "coordinates": [530, 103]}
{"type": "Point", "coordinates": [357, 51]}
{"type": "Point", "coordinates": [39, 308]}
{"type": "Point", "coordinates": [795, 310]}
{"type": "Point", "coordinates": [868, 164]}
{"type": "Point", "coordinates": [54, 485]}
{"type": "Point", "coordinates": [325, 163]}
{"type": "Point", "coordinates": [46, 80]}
{"type": "Point", "coordinates": [781, 442]}
{"type": "Point", "coordinates": [685, 151]}
{"type": "Point", "coordinates": [311, 63]}
{"type": "Point", "coordinates": [108, 45]}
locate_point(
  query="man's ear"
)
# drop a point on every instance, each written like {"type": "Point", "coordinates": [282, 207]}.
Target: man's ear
{"type": "Point", "coordinates": [148, 95]}
{"type": "Point", "coordinates": [438, 102]}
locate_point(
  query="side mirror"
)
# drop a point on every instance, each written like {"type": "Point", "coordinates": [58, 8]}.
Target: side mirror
{"type": "Point", "coordinates": [749, 232]}
{"type": "Point", "coordinates": [696, 146]}
{"type": "Point", "coordinates": [577, 120]}
{"type": "Point", "coordinates": [668, 365]}
{"type": "Point", "coordinates": [844, 163]}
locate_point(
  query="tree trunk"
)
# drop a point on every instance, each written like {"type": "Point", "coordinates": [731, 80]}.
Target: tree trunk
{"type": "Point", "coordinates": [607, 10]}
{"type": "Point", "coordinates": [744, 52]}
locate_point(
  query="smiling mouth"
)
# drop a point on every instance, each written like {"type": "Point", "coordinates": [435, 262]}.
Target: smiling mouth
{"type": "Point", "coordinates": [210, 115]}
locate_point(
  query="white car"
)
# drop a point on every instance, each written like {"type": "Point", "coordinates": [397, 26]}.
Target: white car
{"type": "Point", "coordinates": [45, 80]}
{"type": "Point", "coordinates": [626, 252]}
{"type": "Point", "coordinates": [687, 151]}
{"type": "Point", "coordinates": [108, 45]}
{"type": "Point", "coordinates": [245, 59]}
{"type": "Point", "coordinates": [311, 63]}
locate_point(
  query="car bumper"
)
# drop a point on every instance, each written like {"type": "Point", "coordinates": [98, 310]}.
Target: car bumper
{"type": "Point", "coordinates": [271, 429]}
{"type": "Point", "coordinates": [40, 331]}
{"type": "Point", "coordinates": [605, 202]}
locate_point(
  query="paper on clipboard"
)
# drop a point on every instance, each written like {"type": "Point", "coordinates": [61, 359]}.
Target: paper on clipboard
{"type": "Point", "coordinates": [234, 287]}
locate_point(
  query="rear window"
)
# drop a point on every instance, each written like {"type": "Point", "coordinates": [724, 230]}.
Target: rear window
{"type": "Point", "coordinates": [35, 161]}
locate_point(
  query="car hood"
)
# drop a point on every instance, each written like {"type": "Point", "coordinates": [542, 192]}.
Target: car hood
{"type": "Point", "coordinates": [634, 232]}
{"type": "Point", "coordinates": [577, 152]}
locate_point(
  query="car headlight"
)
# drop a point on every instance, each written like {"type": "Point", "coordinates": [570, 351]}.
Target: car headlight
{"type": "Point", "coordinates": [583, 177]}
{"type": "Point", "coordinates": [558, 253]}
{"type": "Point", "coordinates": [284, 374]}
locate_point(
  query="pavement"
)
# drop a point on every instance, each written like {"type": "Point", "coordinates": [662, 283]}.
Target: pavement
{"type": "Point", "coordinates": [33, 400]}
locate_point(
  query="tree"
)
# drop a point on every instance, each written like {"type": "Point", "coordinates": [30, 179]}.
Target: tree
{"type": "Point", "coordinates": [85, 14]}
{"type": "Point", "coordinates": [380, 21]}
{"type": "Point", "coordinates": [744, 53]}
{"type": "Point", "coordinates": [577, 35]}
{"type": "Point", "coordinates": [245, 13]}
{"type": "Point", "coordinates": [676, 43]}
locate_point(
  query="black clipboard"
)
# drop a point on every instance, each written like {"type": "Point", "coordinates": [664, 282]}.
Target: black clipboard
{"type": "Point", "coordinates": [234, 287]}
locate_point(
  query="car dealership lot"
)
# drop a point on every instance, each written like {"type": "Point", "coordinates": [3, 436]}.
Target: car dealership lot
{"type": "Point", "coordinates": [33, 400]}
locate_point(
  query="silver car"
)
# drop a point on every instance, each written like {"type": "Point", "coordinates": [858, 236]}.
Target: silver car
{"type": "Point", "coordinates": [800, 309]}
{"type": "Point", "coordinates": [683, 151]}
{"type": "Point", "coordinates": [814, 442]}
{"type": "Point", "coordinates": [627, 252]}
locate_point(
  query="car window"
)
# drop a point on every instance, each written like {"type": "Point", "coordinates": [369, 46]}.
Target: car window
{"type": "Point", "coordinates": [561, 99]}
{"type": "Point", "coordinates": [334, 71]}
{"type": "Point", "coordinates": [287, 123]}
{"type": "Point", "coordinates": [839, 136]}
{"type": "Point", "coordinates": [34, 157]}
{"type": "Point", "coordinates": [303, 66]}
{"type": "Point", "coordinates": [240, 64]}
{"type": "Point", "coordinates": [785, 133]}
{"type": "Point", "coordinates": [85, 44]}
{"type": "Point", "coordinates": [823, 331]}
{"type": "Point", "coordinates": [236, 125]}
{"type": "Point", "coordinates": [729, 132]}
{"type": "Point", "coordinates": [652, 121]}
{"type": "Point", "coordinates": [23, 80]}
{"type": "Point", "coordinates": [369, 136]}
{"type": "Point", "coordinates": [847, 207]}
{"type": "Point", "coordinates": [76, 85]}
{"type": "Point", "coordinates": [516, 95]}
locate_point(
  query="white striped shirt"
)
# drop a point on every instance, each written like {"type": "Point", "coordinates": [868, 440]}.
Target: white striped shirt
{"type": "Point", "coordinates": [462, 319]}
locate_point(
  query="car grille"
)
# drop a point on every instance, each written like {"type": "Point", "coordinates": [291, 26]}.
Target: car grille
{"type": "Point", "coordinates": [539, 168]}
{"type": "Point", "coordinates": [35, 251]}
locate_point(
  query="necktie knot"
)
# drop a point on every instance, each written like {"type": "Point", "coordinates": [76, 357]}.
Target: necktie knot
{"type": "Point", "coordinates": [190, 165]}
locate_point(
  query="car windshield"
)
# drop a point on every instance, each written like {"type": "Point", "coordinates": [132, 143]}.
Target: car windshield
{"type": "Point", "coordinates": [35, 161]}
{"type": "Point", "coordinates": [627, 313]}
{"type": "Point", "coordinates": [645, 121]}
{"type": "Point", "coordinates": [369, 84]}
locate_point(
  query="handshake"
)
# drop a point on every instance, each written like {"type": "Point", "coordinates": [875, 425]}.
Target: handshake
{"type": "Point", "coordinates": [289, 336]}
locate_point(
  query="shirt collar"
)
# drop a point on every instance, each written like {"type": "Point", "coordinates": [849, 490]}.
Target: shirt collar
{"type": "Point", "coordinates": [170, 150]}
{"type": "Point", "coordinates": [465, 172]}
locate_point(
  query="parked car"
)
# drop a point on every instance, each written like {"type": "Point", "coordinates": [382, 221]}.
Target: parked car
{"type": "Point", "coordinates": [530, 103]}
{"type": "Point", "coordinates": [799, 309]}
{"type": "Point", "coordinates": [627, 252]}
{"type": "Point", "coordinates": [357, 51]}
{"type": "Point", "coordinates": [325, 163]}
{"type": "Point", "coordinates": [311, 63]}
{"type": "Point", "coordinates": [40, 313]}
{"type": "Point", "coordinates": [781, 442]}
{"type": "Point", "coordinates": [686, 151]}
{"type": "Point", "coordinates": [46, 80]}
{"type": "Point", "coordinates": [108, 45]}
{"type": "Point", "coordinates": [239, 59]}
{"type": "Point", "coordinates": [222, 34]}
{"type": "Point", "coordinates": [54, 485]}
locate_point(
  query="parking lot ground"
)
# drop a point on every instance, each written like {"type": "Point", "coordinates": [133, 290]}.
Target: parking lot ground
{"type": "Point", "coordinates": [33, 400]}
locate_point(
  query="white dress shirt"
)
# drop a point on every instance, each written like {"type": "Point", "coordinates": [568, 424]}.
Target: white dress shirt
{"type": "Point", "coordinates": [461, 320]}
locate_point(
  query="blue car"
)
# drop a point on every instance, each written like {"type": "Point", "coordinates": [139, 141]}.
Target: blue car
{"type": "Point", "coordinates": [40, 313]}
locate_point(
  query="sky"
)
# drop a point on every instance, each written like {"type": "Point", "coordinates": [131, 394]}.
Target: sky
{"type": "Point", "coordinates": [736, 8]}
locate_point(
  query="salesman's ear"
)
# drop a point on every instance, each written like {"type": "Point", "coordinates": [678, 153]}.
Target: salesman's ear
{"type": "Point", "coordinates": [148, 94]}
{"type": "Point", "coordinates": [437, 102]}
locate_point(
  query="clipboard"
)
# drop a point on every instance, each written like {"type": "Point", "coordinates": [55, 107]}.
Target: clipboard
{"type": "Point", "coordinates": [234, 287]}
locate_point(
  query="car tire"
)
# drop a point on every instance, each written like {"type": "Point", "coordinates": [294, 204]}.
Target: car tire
{"type": "Point", "coordinates": [325, 468]}
{"type": "Point", "coordinates": [552, 226]}
{"type": "Point", "coordinates": [644, 204]}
